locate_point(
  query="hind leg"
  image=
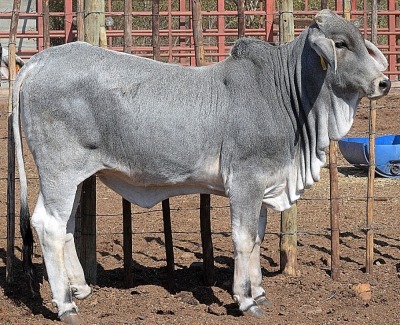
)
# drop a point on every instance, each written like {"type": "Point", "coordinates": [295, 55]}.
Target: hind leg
{"type": "Point", "coordinates": [50, 219]}
{"type": "Point", "coordinates": [76, 276]}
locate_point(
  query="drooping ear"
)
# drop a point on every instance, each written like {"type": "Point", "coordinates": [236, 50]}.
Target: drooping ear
{"type": "Point", "coordinates": [376, 54]}
{"type": "Point", "coordinates": [325, 47]}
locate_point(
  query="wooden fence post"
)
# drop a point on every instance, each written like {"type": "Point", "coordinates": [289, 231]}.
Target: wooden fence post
{"type": "Point", "coordinates": [80, 18]}
{"type": "Point", "coordinates": [86, 218]}
{"type": "Point", "coordinates": [288, 238]}
{"type": "Point", "coordinates": [347, 9]}
{"type": "Point", "coordinates": [127, 242]}
{"type": "Point", "coordinates": [288, 241]}
{"type": "Point", "coordinates": [334, 210]}
{"type": "Point", "coordinates": [397, 26]}
{"type": "Point", "coordinates": [197, 25]}
{"type": "Point", "coordinates": [334, 191]}
{"type": "Point", "coordinates": [11, 146]}
{"type": "Point", "coordinates": [166, 210]}
{"type": "Point", "coordinates": [86, 223]}
{"type": "Point", "coordinates": [205, 199]}
{"type": "Point", "coordinates": [241, 18]}
{"type": "Point", "coordinates": [286, 22]}
{"type": "Point", "coordinates": [46, 24]}
{"type": "Point", "coordinates": [206, 239]}
{"type": "Point", "coordinates": [128, 26]}
{"type": "Point", "coordinates": [369, 258]}
{"type": "Point", "coordinates": [169, 247]}
{"type": "Point", "coordinates": [102, 23]}
{"type": "Point", "coordinates": [155, 29]}
{"type": "Point", "coordinates": [126, 205]}
{"type": "Point", "coordinates": [92, 21]}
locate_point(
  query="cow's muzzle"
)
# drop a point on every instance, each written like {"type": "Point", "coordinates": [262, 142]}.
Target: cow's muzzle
{"type": "Point", "coordinates": [380, 88]}
{"type": "Point", "coordinates": [384, 86]}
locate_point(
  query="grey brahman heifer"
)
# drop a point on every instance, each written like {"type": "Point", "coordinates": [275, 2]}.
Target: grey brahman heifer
{"type": "Point", "coordinates": [252, 128]}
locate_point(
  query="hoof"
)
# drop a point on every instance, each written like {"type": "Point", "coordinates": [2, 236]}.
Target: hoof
{"type": "Point", "coordinates": [263, 301]}
{"type": "Point", "coordinates": [71, 319]}
{"type": "Point", "coordinates": [81, 292]}
{"type": "Point", "coordinates": [254, 311]}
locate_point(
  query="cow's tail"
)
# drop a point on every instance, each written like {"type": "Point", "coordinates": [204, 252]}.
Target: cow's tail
{"type": "Point", "coordinates": [25, 224]}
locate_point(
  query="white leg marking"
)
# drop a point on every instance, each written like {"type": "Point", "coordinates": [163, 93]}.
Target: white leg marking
{"type": "Point", "coordinates": [243, 244]}
{"type": "Point", "coordinates": [257, 291]}
{"type": "Point", "coordinates": [51, 230]}
{"type": "Point", "coordinates": [245, 196]}
{"type": "Point", "coordinates": [76, 276]}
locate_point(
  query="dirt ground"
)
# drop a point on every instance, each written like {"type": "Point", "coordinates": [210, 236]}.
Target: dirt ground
{"type": "Point", "coordinates": [311, 297]}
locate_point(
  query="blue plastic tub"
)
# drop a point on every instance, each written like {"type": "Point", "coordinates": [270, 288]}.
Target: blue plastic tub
{"type": "Point", "coordinates": [387, 153]}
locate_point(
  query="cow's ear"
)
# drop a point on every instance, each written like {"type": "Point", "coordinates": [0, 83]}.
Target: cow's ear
{"type": "Point", "coordinates": [325, 47]}
{"type": "Point", "coordinates": [324, 15]}
{"type": "Point", "coordinates": [377, 56]}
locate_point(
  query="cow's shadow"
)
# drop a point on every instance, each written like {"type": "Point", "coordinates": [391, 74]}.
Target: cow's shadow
{"type": "Point", "coordinates": [353, 171]}
{"type": "Point", "coordinates": [17, 291]}
{"type": "Point", "coordinates": [188, 279]}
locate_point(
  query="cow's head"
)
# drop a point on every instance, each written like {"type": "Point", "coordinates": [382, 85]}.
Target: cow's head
{"type": "Point", "coordinates": [355, 64]}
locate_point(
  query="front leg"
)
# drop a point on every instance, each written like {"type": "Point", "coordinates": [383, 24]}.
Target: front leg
{"type": "Point", "coordinates": [245, 200]}
{"type": "Point", "coordinates": [257, 291]}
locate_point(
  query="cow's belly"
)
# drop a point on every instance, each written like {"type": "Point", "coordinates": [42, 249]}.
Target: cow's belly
{"type": "Point", "coordinates": [148, 196]}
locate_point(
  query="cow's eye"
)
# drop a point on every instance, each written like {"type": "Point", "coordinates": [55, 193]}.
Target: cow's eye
{"type": "Point", "coordinates": [340, 44]}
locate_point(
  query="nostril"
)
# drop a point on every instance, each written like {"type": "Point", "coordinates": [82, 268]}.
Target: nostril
{"type": "Point", "coordinates": [385, 84]}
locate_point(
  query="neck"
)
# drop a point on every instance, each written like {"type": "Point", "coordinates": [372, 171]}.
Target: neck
{"type": "Point", "coordinates": [316, 112]}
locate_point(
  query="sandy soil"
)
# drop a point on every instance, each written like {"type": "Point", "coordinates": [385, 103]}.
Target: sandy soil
{"type": "Point", "coordinates": [312, 297]}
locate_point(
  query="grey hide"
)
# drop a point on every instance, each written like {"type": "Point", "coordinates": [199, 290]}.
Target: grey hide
{"type": "Point", "coordinates": [252, 128]}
